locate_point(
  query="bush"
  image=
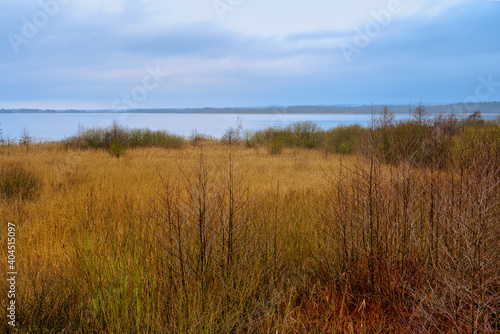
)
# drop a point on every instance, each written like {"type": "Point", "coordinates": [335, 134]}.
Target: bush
{"type": "Point", "coordinates": [250, 138]}
{"type": "Point", "coordinates": [117, 148]}
{"type": "Point", "coordinates": [135, 137]}
{"type": "Point", "coordinates": [112, 133]}
{"type": "Point", "coordinates": [421, 141]}
{"type": "Point", "coordinates": [117, 138]}
{"type": "Point", "coordinates": [475, 140]}
{"type": "Point", "coordinates": [275, 146]}
{"type": "Point", "coordinates": [302, 134]}
{"type": "Point", "coordinates": [17, 182]}
{"type": "Point", "coordinates": [411, 142]}
{"type": "Point", "coordinates": [166, 140]}
{"type": "Point", "coordinates": [343, 139]}
{"type": "Point", "coordinates": [93, 138]}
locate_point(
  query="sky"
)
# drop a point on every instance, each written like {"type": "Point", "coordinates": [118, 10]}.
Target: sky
{"type": "Point", "coordinates": [126, 54]}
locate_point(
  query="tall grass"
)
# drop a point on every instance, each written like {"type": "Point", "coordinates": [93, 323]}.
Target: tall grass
{"type": "Point", "coordinates": [17, 182]}
{"type": "Point", "coordinates": [398, 234]}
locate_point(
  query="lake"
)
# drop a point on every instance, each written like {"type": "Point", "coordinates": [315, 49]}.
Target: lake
{"type": "Point", "coordinates": [58, 126]}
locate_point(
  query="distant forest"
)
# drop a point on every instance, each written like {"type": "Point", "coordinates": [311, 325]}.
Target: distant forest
{"type": "Point", "coordinates": [456, 108]}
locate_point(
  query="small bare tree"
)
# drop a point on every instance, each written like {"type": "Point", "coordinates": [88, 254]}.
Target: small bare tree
{"type": "Point", "coordinates": [231, 136]}
{"type": "Point", "coordinates": [25, 139]}
{"type": "Point", "coordinates": [421, 115]}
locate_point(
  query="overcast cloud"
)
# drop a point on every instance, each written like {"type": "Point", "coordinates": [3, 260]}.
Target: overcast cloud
{"type": "Point", "coordinates": [116, 54]}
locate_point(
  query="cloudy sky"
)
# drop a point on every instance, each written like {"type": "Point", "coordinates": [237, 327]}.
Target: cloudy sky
{"type": "Point", "coordinates": [95, 54]}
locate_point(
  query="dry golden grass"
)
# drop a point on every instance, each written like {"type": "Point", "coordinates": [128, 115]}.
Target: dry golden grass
{"type": "Point", "coordinates": [97, 250]}
{"type": "Point", "coordinates": [83, 186]}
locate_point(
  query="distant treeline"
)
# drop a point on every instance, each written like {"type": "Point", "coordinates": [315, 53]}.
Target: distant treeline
{"type": "Point", "coordinates": [456, 108]}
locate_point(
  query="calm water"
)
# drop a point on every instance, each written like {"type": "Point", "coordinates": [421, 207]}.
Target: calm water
{"type": "Point", "coordinates": [59, 126]}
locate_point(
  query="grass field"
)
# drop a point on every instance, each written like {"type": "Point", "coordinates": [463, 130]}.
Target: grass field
{"type": "Point", "coordinates": [228, 238]}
